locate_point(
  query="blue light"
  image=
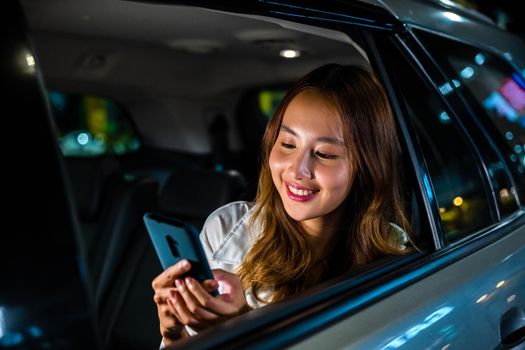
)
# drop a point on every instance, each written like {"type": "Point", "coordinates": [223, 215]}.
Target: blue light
{"type": "Point", "coordinates": [35, 331]}
{"type": "Point", "coordinates": [519, 79]}
{"type": "Point", "coordinates": [446, 89]}
{"type": "Point", "coordinates": [513, 158]}
{"type": "Point", "coordinates": [444, 118]}
{"type": "Point", "coordinates": [413, 331]}
{"type": "Point", "coordinates": [479, 59]}
{"type": "Point", "coordinates": [428, 188]}
{"type": "Point", "coordinates": [517, 149]}
{"type": "Point", "coordinates": [467, 72]}
{"type": "Point", "coordinates": [83, 138]}
{"type": "Point", "coordinates": [509, 135]}
{"type": "Point", "coordinates": [11, 339]}
{"type": "Point", "coordinates": [456, 83]}
{"type": "Point", "coordinates": [497, 102]}
{"type": "Point", "coordinates": [57, 99]}
{"type": "Point", "coordinates": [2, 322]}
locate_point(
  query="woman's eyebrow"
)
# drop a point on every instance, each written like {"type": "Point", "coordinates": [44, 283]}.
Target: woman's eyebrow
{"type": "Point", "coordinates": [324, 139]}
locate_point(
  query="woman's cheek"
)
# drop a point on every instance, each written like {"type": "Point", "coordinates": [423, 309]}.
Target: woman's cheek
{"type": "Point", "coordinates": [275, 160]}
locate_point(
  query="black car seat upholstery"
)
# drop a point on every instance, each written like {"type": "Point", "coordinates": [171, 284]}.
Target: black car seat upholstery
{"type": "Point", "coordinates": [191, 195]}
{"type": "Point", "coordinates": [110, 210]}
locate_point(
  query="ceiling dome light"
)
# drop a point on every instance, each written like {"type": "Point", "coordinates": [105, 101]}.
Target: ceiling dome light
{"type": "Point", "coordinates": [290, 53]}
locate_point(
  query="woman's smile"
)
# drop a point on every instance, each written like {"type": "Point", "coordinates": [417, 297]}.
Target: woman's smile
{"type": "Point", "coordinates": [299, 193]}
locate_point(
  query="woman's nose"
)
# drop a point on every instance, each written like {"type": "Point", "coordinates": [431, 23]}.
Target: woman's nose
{"type": "Point", "coordinates": [301, 166]}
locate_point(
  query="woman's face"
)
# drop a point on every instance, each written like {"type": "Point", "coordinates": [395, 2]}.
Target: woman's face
{"type": "Point", "coordinates": [309, 162]}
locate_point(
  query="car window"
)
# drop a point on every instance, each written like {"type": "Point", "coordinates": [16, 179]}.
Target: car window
{"type": "Point", "coordinates": [90, 126]}
{"type": "Point", "coordinates": [455, 175]}
{"type": "Point", "coordinates": [269, 100]}
{"type": "Point", "coordinates": [498, 92]}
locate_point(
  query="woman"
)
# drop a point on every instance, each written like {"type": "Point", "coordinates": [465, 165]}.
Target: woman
{"type": "Point", "coordinates": [329, 193]}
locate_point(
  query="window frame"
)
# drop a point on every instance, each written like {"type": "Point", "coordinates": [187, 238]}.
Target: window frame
{"type": "Point", "coordinates": [428, 68]}
{"type": "Point", "coordinates": [475, 110]}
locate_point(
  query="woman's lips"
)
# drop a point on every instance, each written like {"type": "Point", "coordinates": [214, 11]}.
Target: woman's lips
{"type": "Point", "coordinates": [299, 194]}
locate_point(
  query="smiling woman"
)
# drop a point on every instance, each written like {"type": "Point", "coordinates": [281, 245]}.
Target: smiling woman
{"type": "Point", "coordinates": [329, 195]}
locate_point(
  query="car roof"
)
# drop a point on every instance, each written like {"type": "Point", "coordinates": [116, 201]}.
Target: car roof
{"type": "Point", "coordinates": [447, 17]}
{"type": "Point", "coordinates": [125, 19]}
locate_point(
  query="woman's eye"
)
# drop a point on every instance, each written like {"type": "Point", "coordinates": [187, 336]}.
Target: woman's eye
{"type": "Point", "coordinates": [287, 145]}
{"type": "Point", "coordinates": [325, 155]}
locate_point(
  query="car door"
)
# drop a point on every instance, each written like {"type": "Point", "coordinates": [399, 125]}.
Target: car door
{"type": "Point", "coordinates": [472, 282]}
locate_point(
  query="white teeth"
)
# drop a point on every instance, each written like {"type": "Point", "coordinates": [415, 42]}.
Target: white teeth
{"type": "Point", "coordinates": [300, 192]}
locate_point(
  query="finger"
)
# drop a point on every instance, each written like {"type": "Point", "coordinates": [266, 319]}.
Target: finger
{"type": "Point", "coordinates": [184, 315]}
{"type": "Point", "coordinates": [170, 304]}
{"type": "Point", "coordinates": [162, 294]}
{"type": "Point", "coordinates": [167, 277]}
{"type": "Point", "coordinates": [167, 314]}
{"type": "Point", "coordinates": [170, 326]}
{"type": "Point", "coordinates": [199, 291]}
{"type": "Point", "coordinates": [202, 298]}
{"type": "Point", "coordinates": [220, 305]}
{"type": "Point", "coordinates": [192, 304]}
{"type": "Point", "coordinates": [210, 285]}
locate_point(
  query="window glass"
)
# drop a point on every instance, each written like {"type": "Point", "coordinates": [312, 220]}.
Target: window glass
{"type": "Point", "coordinates": [90, 125]}
{"type": "Point", "coordinates": [455, 175]}
{"type": "Point", "coordinates": [269, 100]}
{"type": "Point", "coordinates": [498, 92]}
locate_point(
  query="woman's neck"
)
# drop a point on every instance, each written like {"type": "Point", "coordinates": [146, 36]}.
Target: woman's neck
{"type": "Point", "coordinates": [322, 233]}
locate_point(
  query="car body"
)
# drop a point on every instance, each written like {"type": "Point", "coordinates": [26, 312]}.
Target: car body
{"type": "Point", "coordinates": [188, 87]}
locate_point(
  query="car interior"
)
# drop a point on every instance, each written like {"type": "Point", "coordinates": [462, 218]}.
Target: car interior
{"type": "Point", "coordinates": [162, 108]}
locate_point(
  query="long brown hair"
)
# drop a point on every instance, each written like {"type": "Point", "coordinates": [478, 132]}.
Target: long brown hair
{"type": "Point", "coordinates": [282, 256]}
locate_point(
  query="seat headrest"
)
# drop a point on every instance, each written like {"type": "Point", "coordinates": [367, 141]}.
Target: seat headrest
{"type": "Point", "coordinates": [196, 193]}
{"type": "Point", "coordinates": [89, 177]}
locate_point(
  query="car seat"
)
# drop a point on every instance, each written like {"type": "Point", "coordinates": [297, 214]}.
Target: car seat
{"type": "Point", "coordinates": [191, 195]}
{"type": "Point", "coordinates": [110, 210]}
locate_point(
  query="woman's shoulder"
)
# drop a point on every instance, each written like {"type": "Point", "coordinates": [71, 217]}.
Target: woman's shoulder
{"type": "Point", "coordinates": [226, 231]}
{"type": "Point", "coordinates": [229, 214]}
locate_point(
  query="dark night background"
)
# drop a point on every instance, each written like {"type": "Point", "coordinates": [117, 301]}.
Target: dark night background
{"type": "Point", "coordinates": [507, 14]}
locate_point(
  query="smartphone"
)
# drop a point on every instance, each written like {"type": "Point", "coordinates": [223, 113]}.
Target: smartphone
{"type": "Point", "coordinates": [175, 240]}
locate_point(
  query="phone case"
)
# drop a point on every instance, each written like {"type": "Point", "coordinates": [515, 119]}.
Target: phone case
{"type": "Point", "coordinates": [175, 240]}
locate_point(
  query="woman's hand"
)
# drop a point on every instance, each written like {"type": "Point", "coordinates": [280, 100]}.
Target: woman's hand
{"type": "Point", "coordinates": [194, 306]}
{"type": "Point", "coordinates": [164, 287]}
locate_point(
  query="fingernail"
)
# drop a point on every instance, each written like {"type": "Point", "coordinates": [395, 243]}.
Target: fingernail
{"type": "Point", "coordinates": [185, 264]}
{"type": "Point", "coordinates": [180, 285]}
{"type": "Point", "coordinates": [190, 282]}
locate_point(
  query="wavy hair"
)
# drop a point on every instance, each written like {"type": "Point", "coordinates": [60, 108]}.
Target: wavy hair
{"type": "Point", "coordinates": [282, 257]}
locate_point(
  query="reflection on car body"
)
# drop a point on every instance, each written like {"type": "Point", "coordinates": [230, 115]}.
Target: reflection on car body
{"type": "Point", "coordinates": [134, 87]}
